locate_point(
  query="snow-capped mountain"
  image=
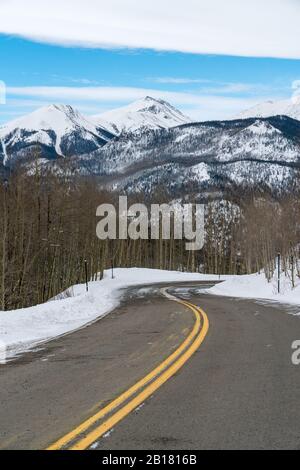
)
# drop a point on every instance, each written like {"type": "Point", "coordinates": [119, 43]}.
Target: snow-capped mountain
{"type": "Point", "coordinates": [51, 132]}
{"type": "Point", "coordinates": [153, 145]}
{"type": "Point", "coordinates": [289, 108]}
{"type": "Point", "coordinates": [194, 157]}
{"type": "Point", "coordinates": [147, 113]}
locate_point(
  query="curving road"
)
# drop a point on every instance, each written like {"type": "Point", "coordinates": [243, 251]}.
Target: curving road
{"type": "Point", "coordinates": [238, 391]}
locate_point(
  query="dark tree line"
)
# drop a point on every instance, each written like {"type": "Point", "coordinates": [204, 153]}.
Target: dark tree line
{"type": "Point", "coordinates": [48, 230]}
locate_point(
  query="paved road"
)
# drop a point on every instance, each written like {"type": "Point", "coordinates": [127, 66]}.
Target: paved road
{"type": "Point", "coordinates": [239, 391]}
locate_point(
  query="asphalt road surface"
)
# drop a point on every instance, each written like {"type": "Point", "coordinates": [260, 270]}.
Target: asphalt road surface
{"type": "Point", "coordinates": [239, 390]}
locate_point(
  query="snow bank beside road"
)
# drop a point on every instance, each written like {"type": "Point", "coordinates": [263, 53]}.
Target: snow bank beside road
{"type": "Point", "coordinates": [256, 286]}
{"type": "Point", "coordinates": [23, 329]}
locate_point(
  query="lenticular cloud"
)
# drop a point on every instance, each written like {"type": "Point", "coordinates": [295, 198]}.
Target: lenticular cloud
{"type": "Point", "coordinates": [242, 28]}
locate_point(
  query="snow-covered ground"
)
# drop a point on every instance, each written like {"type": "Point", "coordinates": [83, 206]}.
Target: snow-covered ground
{"type": "Point", "coordinates": [23, 329]}
{"type": "Point", "coordinates": [256, 286]}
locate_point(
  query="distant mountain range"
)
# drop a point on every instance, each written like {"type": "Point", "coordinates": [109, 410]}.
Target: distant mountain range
{"type": "Point", "coordinates": [290, 108]}
{"type": "Point", "coordinates": [150, 143]}
{"type": "Point", "coordinates": [59, 131]}
{"type": "Point", "coordinates": [208, 156]}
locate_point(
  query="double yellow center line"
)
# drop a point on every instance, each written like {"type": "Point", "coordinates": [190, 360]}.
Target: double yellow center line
{"type": "Point", "coordinates": [87, 433]}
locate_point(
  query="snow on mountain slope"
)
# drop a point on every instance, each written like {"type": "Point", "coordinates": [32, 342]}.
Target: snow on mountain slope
{"type": "Point", "coordinates": [196, 156]}
{"type": "Point", "coordinates": [157, 147]}
{"type": "Point", "coordinates": [148, 113]}
{"type": "Point", "coordinates": [290, 108]}
{"type": "Point", "coordinates": [261, 141]}
{"type": "Point", "coordinates": [272, 139]}
{"type": "Point", "coordinates": [57, 130]}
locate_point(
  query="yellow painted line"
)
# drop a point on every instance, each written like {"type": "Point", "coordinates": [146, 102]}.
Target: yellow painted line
{"type": "Point", "coordinates": [93, 436]}
{"type": "Point", "coordinates": [62, 442]}
{"type": "Point", "coordinates": [184, 352]}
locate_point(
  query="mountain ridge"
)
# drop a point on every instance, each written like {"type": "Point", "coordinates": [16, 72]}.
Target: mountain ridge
{"type": "Point", "coordinates": [190, 155]}
{"type": "Point", "coordinates": [54, 131]}
{"type": "Point", "coordinates": [59, 130]}
{"type": "Point", "coordinates": [197, 155]}
{"type": "Point", "coordinates": [289, 107]}
{"type": "Point", "coordinates": [147, 113]}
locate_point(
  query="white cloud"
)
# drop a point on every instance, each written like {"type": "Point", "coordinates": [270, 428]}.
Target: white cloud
{"type": "Point", "coordinates": [236, 88]}
{"type": "Point", "coordinates": [84, 81]}
{"type": "Point", "coordinates": [109, 94]}
{"type": "Point", "coordinates": [268, 28]}
{"type": "Point", "coordinates": [215, 87]}
{"type": "Point", "coordinates": [199, 107]}
{"type": "Point", "coordinates": [101, 93]}
{"type": "Point", "coordinates": [296, 87]}
{"type": "Point", "coordinates": [2, 92]}
{"type": "Point", "coordinates": [178, 81]}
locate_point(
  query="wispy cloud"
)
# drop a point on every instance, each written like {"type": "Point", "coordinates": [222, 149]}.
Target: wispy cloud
{"type": "Point", "coordinates": [268, 28]}
{"type": "Point", "coordinates": [93, 100]}
{"type": "Point", "coordinates": [106, 94]}
{"type": "Point", "coordinates": [177, 80]}
{"type": "Point", "coordinates": [240, 88]}
{"type": "Point", "coordinates": [215, 87]}
{"type": "Point", "coordinates": [2, 92]}
{"type": "Point", "coordinates": [296, 87]}
{"type": "Point", "coordinates": [84, 81]}
{"type": "Point", "coordinates": [55, 78]}
{"type": "Point", "coordinates": [219, 101]}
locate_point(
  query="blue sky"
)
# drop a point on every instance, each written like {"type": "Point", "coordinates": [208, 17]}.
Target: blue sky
{"type": "Point", "coordinates": [94, 78]}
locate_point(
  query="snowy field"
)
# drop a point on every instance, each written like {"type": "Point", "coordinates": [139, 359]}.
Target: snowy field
{"type": "Point", "coordinates": [21, 330]}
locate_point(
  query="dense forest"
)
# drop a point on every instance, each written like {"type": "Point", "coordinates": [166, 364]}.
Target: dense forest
{"type": "Point", "coordinates": [48, 235]}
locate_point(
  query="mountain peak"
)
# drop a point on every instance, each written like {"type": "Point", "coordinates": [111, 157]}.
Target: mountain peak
{"type": "Point", "coordinates": [66, 109]}
{"type": "Point", "coordinates": [58, 117]}
{"type": "Point", "coordinates": [59, 128]}
{"type": "Point", "coordinates": [147, 112]}
{"type": "Point", "coordinates": [260, 127]}
{"type": "Point", "coordinates": [149, 98]}
{"type": "Point", "coordinates": [59, 107]}
{"type": "Point", "coordinates": [289, 107]}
